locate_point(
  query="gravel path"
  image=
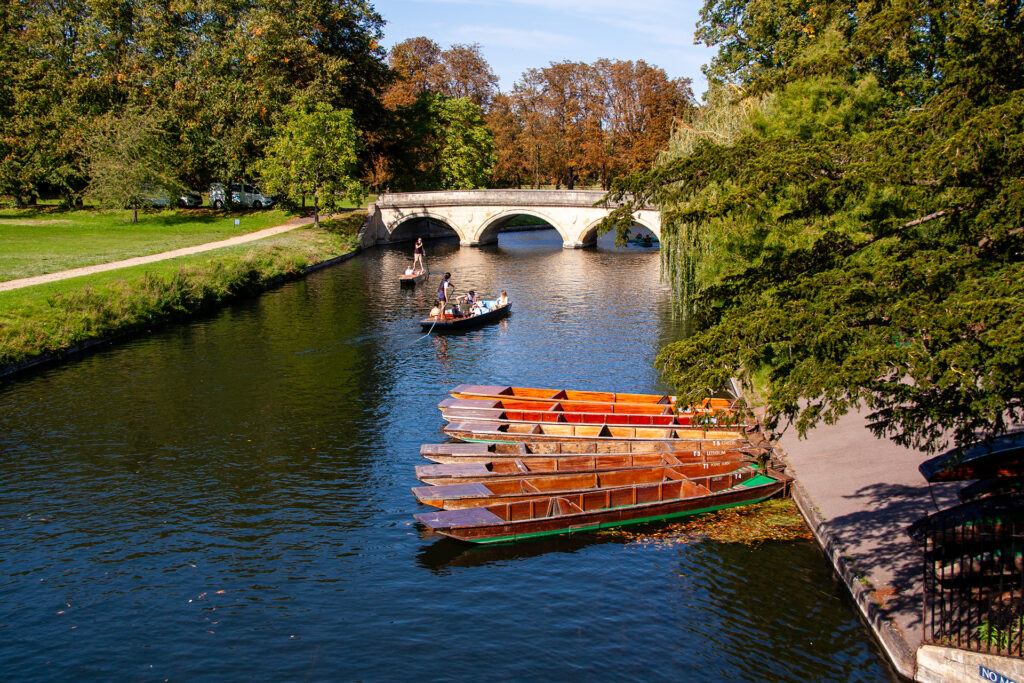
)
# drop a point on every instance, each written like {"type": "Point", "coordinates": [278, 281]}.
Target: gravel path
{"type": "Point", "coordinates": [139, 260]}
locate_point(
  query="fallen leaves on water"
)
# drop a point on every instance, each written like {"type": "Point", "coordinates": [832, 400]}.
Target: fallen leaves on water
{"type": "Point", "coordinates": [773, 520]}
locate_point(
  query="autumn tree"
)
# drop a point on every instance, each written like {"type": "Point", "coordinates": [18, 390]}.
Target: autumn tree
{"type": "Point", "coordinates": [568, 109]}
{"type": "Point", "coordinates": [641, 105]}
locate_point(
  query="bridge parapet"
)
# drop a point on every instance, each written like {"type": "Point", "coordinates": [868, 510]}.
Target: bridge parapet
{"type": "Point", "coordinates": [491, 198]}
{"type": "Point", "coordinates": [477, 216]}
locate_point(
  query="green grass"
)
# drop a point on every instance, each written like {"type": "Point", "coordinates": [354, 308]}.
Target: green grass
{"type": "Point", "coordinates": [49, 318]}
{"type": "Point", "coordinates": [45, 240]}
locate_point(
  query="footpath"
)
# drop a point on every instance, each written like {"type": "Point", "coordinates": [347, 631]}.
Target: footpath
{"type": "Point", "coordinates": [859, 494]}
{"type": "Point", "coordinates": [140, 260]}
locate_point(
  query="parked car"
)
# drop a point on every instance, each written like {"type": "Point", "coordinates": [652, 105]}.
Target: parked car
{"type": "Point", "coordinates": [155, 197]}
{"type": "Point", "coordinates": [238, 194]}
{"type": "Point", "coordinates": [190, 200]}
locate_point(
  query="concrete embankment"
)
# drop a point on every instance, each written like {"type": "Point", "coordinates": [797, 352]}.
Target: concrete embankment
{"type": "Point", "coordinates": [859, 494]}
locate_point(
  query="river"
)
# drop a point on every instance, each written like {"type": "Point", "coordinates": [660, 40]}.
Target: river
{"type": "Point", "coordinates": [229, 499]}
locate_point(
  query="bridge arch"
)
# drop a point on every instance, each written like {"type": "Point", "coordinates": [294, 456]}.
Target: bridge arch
{"type": "Point", "coordinates": [492, 225]}
{"type": "Point", "coordinates": [588, 236]}
{"type": "Point", "coordinates": [402, 229]}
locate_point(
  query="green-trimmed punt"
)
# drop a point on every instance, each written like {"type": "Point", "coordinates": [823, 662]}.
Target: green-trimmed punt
{"type": "Point", "coordinates": [604, 508]}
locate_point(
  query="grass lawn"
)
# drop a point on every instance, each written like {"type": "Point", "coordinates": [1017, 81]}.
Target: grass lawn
{"type": "Point", "coordinates": [49, 317]}
{"type": "Point", "coordinates": [45, 240]}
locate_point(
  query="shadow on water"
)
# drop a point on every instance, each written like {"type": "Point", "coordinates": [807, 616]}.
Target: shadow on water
{"type": "Point", "coordinates": [445, 553]}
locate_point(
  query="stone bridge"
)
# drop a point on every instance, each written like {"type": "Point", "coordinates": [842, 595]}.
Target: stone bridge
{"type": "Point", "coordinates": [477, 216]}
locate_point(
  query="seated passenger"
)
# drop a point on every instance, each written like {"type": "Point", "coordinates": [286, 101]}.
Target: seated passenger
{"type": "Point", "coordinates": [503, 299]}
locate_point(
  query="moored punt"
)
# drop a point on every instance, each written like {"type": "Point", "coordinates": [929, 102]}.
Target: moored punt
{"type": "Point", "coordinates": [1003, 457]}
{"type": "Point", "coordinates": [568, 411]}
{"type": "Point", "coordinates": [454, 409]}
{"type": "Point", "coordinates": [477, 494]}
{"type": "Point", "coordinates": [477, 391]}
{"type": "Point", "coordinates": [450, 323]}
{"type": "Point", "coordinates": [528, 450]}
{"type": "Point", "coordinates": [412, 278]}
{"type": "Point", "coordinates": [600, 509]}
{"type": "Point", "coordinates": [516, 468]}
{"type": "Point", "coordinates": [695, 438]}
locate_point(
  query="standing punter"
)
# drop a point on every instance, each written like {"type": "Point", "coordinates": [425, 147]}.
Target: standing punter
{"type": "Point", "coordinates": [417, 255]}
{"type": "Point", "coordinates": [444, 294]}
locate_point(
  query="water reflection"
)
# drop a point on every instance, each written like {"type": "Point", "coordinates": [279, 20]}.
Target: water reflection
{"type": "Point", "coordinates": [230, 498]}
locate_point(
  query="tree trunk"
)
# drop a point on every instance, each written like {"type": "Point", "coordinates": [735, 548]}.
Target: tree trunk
{"type": "Point", "coordinates": [316, 210]}
{"type": "Point", "coordinates": [135, 213]}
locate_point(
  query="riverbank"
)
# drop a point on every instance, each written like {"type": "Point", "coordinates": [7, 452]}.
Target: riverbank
{"type": "Point", "coordinates": [859, 494]}
{"type": "Point", "coordinates": [50, 322]}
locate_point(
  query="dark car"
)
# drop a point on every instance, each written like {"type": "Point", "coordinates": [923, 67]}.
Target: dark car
{"type": "Point", "coordinates": [190, 200]}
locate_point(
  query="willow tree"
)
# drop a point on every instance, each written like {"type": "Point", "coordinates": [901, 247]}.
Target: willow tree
{"type": "Point", "coordinates": [864, 233]}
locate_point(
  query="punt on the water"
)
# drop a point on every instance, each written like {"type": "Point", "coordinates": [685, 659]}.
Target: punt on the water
{"type": "Point", "coordinates": [515, 468]}
{"type": "Point", "coordinates": [412, 277]}
{"type": "Point", "coordinates": [459, 409]}
{"type": "Point", "coordinates": [457, 496]}
{"type": "Point", "coordinates": [546, 431]}
{"type": "Point", "coordinates": [450, 323]}
{"type": "Point", "coordinates": [680, 451]}
{"type": "Point", "coordinates": [603, 508]}
{"type": "Point", "coordinates": [556, 395]}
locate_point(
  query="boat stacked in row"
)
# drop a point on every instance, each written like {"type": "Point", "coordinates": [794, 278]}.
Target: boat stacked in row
{"type": "Point", "coordinates": [536, 462]}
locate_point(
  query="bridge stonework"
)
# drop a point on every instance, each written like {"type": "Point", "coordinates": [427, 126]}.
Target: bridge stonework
{"type": "Point", "coordinates": [477, 216]}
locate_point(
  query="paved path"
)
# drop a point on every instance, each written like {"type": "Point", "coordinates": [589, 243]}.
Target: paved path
{"type": "Point", "coordinates": [864, 492]}
{"type": "Point", "coordinates": [139, 260]}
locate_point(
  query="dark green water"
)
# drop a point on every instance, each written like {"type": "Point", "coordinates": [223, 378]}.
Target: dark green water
{"type": "Point", "coordinates": [229, 499]}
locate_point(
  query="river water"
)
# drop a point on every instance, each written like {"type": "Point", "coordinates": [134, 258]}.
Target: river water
{"type": "Point", "coordinates": [229, 499]}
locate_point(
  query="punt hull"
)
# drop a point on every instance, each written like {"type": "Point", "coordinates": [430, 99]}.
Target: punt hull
{"type": "Point", "coordinates": [530, 450]}
{"type": "Point", "coordinates": [695, 439]}
{"type": "Point", "coordinates": [462, 414]}
{"type": "Point", "coordinates": [452, 324]}
{"type": "Point", "coordinates": [414, 279]}
{"type": "Point", "coordinates": [478, 391]}
{"type": "Point", "coordinates": [487, 525]}
{"type": "Point", "coordinates": [516, 468]}
{"type": "Point", "coordinates": [458, 496]}
{"type": "Point", "coordinates": [578, 411]}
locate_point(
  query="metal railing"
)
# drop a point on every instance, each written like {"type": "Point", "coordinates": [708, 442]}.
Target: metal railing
{"type": "Point", "coordinates": [974, 575]}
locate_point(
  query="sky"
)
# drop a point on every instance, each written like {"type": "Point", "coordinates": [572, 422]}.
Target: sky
{"type": "Point", "coordinates": [516, 35]}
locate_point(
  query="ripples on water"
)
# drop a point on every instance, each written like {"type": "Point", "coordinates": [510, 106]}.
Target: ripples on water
{"type": "Point", "coordinates": [230, 499]}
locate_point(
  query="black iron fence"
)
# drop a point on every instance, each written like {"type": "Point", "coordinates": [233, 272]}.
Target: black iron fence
{"type": "Point", "coordinates": [974, 575]}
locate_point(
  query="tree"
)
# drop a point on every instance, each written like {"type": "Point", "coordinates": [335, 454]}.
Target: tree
{"type": "Point", "coordinates": [313, 154]}
{"type": "Point", "coordinates": [466, 154]}
{"type": "Point", "coordinates": [867, 225]}
{"type": "Point", "coordinates": [129, 163]}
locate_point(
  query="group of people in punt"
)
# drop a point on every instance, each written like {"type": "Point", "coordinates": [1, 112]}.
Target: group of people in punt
{"type": "Point", "coordinates": [464, 305]}
{"type": "Point", "coordinates": [461, 306]}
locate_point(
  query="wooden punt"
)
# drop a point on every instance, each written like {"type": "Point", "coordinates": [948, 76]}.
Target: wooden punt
{"type": "Point", "coordinates": [603, 508]}
{"type": "Point", "coordinates": [459, 409]}
{"type": "Point", "coordinates": [1003, 457]}
{"type": "Point", "coordinates": [450, 323]}
{"type": "Point", "coordinates": [529, 450]}
{"type": "Point", "coordinates": [457, 496]}
{"type": "Point", "coordinates": [557, 395]}
{"type": "Point", "coordinates": [516, 468]}
{"type": "Point", "coordinates": [546, 431]}
{"type": "Point", "coordinates": [413, 278]}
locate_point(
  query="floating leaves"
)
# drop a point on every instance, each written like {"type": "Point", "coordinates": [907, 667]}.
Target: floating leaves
{"type": "Point", "coordinates": [772, 520]}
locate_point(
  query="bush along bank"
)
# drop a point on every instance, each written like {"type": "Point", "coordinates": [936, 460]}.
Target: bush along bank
{"type": "Point", "coordinates": [40, 328]}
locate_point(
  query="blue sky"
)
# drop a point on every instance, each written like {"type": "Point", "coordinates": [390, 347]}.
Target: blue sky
{"type": "Point", "coordinates": [516, 35]}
